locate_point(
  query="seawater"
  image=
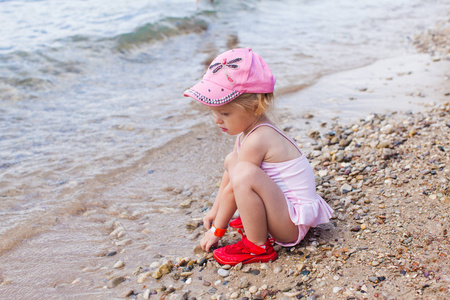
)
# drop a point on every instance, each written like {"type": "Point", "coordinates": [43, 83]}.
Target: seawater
{"type": "Point", "coordinates": [89, 89]}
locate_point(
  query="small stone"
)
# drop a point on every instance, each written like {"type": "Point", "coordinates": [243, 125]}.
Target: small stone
{"type": "Point", "coordinates": [264, 267]}
{"type": "Point", "coordinates": [355, 229]}
{"type": "Point", "coordinates": [119, 264]}
{"type": "Point", "coordinates": [375, 263]}
{"type": "Point", "coordinates": [323, 173]}
{"type": "Point", "coordinates": [143, 277]}
{"type": "Point", "coordinates": [123, 242]}
{"type": "Point", "coordinates": [202, 262]}
{"type": "Point", "coordinates": [238, 267]}
{"type": "Point", "coordinates": [155, 265]}
{"type": "Point", "coordinates": [157, 274]}
{"type": "Point", "coordinates": [186, 274]}
{"type": "Point", "coordinates": [198, 250]}
{"type": "Point", "coordinates": [292, 294]}
{"type": "Point", "coordinates": [137, 271]}
{"type": "Point", "coordinates": [226, 267]}
{"type": "Point", "coordinates": [115, 282]}
{"type": "Point", "coordinates": [253, 289]}
{"type": "Point", "coordinates": [234, 295]}
{"type": "Point", "coordinates": [244, 283]}
{"type": "Point", "coordinates": [165, 268]}
{"type": "Point", "coordinates": [176, 276]}
{"type": "Point", "coordinates": [189, 280]}
{"type": "Point", "coordinates": [337, 289]}
{"type": "Point", "coordinates": [206, 283]}
{"type": "Point", "coordinates": [192, 224]}
{"type": "Point", "coordinates": [363, 226]}
{"type": "Point", "coordinates": [126, 294]}
{"type": "Point", "coordinates": [112, 253]}
{"type": "Point", "coordinates": [186, 203]}
{"type": "Point", "coordinates": [255, 272]}
{"type": "Point", "coordinates": [345, 188]}
{"type": "Point", "coordinates": [146, 294]}
{"type": "Point", "coordinates": [373, 279]}
{"type": "Point", "coordinates": [246, 269]}
{"type": "Point", "coordinates": [223, 272]}
{"type": "Point", "coordinates": [277, 270]}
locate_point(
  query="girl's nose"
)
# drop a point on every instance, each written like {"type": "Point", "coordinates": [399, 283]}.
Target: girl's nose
{"type": "Point", "coordinates": [217, 119]}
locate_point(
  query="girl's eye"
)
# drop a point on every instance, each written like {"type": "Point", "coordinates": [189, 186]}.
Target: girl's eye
{"type": "Point", "coordinates": [225, 114]}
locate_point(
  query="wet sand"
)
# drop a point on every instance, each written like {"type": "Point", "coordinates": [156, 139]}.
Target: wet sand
{"type": "Point", "coordinates": [386, 176]}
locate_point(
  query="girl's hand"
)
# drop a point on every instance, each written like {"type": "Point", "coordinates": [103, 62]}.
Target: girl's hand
{"type": "Point", "coordinates": [209, 218]}
{"type": "Point", "coordinates": [208, 240]}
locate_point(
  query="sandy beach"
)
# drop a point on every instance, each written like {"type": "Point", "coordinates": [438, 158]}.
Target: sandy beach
{"type": "Point", "coordinates": [385, 173]}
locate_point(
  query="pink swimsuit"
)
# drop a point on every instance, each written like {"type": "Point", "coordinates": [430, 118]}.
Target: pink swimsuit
{"type": "Point", "coordinates": [296, 179]}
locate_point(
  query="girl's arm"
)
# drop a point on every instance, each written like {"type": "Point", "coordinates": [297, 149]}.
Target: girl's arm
{"type": "Point", "coordinates": [211, 215]}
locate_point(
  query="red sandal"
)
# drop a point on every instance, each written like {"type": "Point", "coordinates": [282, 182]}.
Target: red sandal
{"type": "Point", "coordinates": [246, 252]}
{"type": "Point", "coordinates": [237, 223]}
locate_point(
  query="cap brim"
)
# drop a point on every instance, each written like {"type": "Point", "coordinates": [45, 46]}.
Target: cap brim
{"type": "Point", "coordinates": [211, 94]}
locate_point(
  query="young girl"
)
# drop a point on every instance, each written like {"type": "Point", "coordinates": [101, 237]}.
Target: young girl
{"type": "Point", "coordinates": [267, 177]}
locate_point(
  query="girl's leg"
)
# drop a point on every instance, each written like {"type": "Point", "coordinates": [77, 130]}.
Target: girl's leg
{"type": "Point", "coordinates": [261, 204]}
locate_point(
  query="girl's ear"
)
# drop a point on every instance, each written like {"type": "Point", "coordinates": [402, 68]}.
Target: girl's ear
{"type": "Point", "coordinates": [258, 109]}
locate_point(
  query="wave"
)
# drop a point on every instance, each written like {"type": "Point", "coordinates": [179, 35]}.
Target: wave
{"type": "Point", "coordinates": [163, 29]}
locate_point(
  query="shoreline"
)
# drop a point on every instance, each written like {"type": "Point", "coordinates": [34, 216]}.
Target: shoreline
{"type": "Point", "coordinates": [390, 261]}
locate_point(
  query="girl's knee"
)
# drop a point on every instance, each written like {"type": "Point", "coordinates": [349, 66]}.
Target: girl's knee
{"type": "Point", "coordinates": [230, 161]}
{"type": "Point", "coordinates": [244, 174]}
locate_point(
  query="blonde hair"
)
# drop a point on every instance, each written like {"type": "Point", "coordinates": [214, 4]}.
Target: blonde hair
{"type": "Point", "coordinates": [248, 102]}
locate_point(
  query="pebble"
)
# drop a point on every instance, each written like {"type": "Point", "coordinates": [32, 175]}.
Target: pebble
{"type": "Point", "coordinates": [123, 242]}
{"type": "Point", "coordinates": [165, 268]}
{"type": "Point", "coordinates": [119, 264]}
{"type": "Point", "coordinates": [113, 282]}
{"type": "Point", "coordinates": [112, 253]}
{"type": "Point", "coordinates": [143, 277]}
{"type": "Point", "coordinates": [255, 272]}
{"type": "Point", "coordinates": [253, 289]}
{"type": "Point", "coordinates": [146, 294]}
{"type": "Point", "coordinates": [192, 224]}
{"type": "Point", "coordinates": [126, 293]}
{"type": "Point", "coordinates": [243, 284]}
{"type": "Point", "coordinates": [223, 272]}
{"type": "Point", "coordinates": [157, 274]}
{"type": "Point", "coordinates": [238, 267]}
{"type": "Point", "coordinates": [292, 294]}
{"type": "Point", "coordinates": [355, 229]}
{"type": "Point", "coordinates": [337, 289]}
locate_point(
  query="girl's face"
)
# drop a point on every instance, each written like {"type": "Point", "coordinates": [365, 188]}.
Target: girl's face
{"type": "Point", "coordinates": [233, 119]}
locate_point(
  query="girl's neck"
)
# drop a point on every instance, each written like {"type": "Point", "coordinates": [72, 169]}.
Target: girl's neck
{"type": "Point", "coordinates": [261, 119]}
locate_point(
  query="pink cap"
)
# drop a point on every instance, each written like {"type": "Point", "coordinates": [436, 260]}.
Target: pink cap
{"type": "Point", "coordinates": [230, 75]}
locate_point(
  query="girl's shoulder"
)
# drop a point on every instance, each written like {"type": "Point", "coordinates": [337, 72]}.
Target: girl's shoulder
{"type": "Point", "coordinates": [276, 146]}
{"type": "Point", "coordinates": [263, 136]}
